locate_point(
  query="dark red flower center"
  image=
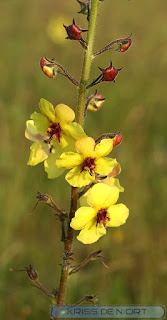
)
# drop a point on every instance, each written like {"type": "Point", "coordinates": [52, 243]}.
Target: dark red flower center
{"type": "Point", "coordinates": [54, 130]}
{"type": "Point", "coordinates": [89, 165]}
{"type": "Point", "coordinates": [102, 217]}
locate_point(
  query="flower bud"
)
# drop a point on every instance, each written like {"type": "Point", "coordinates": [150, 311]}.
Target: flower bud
{"type": "Point", "coordinates": [95, 102]}
{"type": "Point", "coordinates": [31, 273]}
{"type": "Point", "coordinates": [84, 7]}
{"type": "Point", "coordinates": [110, 73]}
{"type": "Point", "coordinates": [124, 45]}
{"type": "Point", "coordinates": [117, 139]}
{"type": "Point", "coordinates": [48, 68]}
{"type": "Point", "coordinates": [74, 32]}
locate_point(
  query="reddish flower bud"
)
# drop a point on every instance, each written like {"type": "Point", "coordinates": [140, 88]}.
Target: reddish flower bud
{"type": "Point", "coordinates": [110, 73]}
{"type": "Point", "coordinates": [117, 139]}
{"type": "Point", "coordinates": [47, 68]}
{"type": "Point", "coordinates": [74, 32]}
{"type": "Point", "coordinates": [95, 102]}
{"type": "Point", "coordinates": [124, 45]}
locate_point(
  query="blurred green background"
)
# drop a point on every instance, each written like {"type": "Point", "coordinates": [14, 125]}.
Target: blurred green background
{"type": "Point", "coordinates": [135, 104]}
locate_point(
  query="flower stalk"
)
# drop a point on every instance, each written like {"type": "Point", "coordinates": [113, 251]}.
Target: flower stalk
{"type": "Point", "coordinates": [88, 57]}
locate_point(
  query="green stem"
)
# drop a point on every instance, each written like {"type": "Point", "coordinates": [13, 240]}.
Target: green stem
{"type": "Point", "coordinates": [88, 57]}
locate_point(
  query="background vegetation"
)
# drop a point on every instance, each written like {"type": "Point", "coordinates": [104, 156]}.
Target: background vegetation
{"type": "Point", "coordinates": [135, 104]}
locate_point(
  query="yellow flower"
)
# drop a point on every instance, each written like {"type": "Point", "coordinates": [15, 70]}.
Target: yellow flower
{"type": "Point", "coordinates": [52, 132]}
{"type": "Point", "coordinates": [56, 124]}
{"type": "Point", "coordinates": [102, 213]}
{"type": "Point", "coordinates": [88, 162]}
{"type": "Point", "coordinates": [41, 151]}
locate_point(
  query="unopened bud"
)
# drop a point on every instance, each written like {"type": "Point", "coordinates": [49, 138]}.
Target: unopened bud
{"type": "Point", "coordinates": [84, 7]}
{"type": "Point", "coordinates": [117, 139]}
{"type": "Point", "coordinates": [109, 73]}
{"type": "Point", "coordinates": [48, 68]}
{"type": "Point", "coordinates": [95, 102]}
{"type": "Point", "coordinates": [124, 45]}
{"type": "Point", "coordinates": [74, 32]}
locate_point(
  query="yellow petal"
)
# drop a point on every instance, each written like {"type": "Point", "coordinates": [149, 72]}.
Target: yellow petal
{"type": "Point", "coordinates": [39, 152]}
{"type": "Point", "coordinates": [64, 113]}
{"type": "Point", "coordinates": [50, 167]}
{"type": "Point", "coordinates": [31, 132]}
{"type": "Point", "coordinates": [103, 148]}
{"type": "Point", "coordinates": [79, 179]}
{"type": "Point", "coordinates": [69, 160]}
{"type": "Point", "coordinates": [91, 233]}
{"type": "Point", "coordinates": [63, 141]}
{"type": "Point", "coordinates": [74, 130]}
{"type": "Point", "coordinates": [110, 181]}
{"type": "Point", "coordinates": [40, 122]}
{"type": "Point", "coordinates": [105, 165]}
{"type": "Point", "coordinates": [66, 144]}
{"type": "Point", "coordinates": [115, 171]}
{"type": "Point", "coordinates": [47, 109]}
{"type": "Point", "coordinates": [102, 196]}
{"type": "Point", "coordinates": [118, 215]}
{"type": "Point", "coordinates": [82, 216]}
{"type": "Point", "coordinates": [85, 146]}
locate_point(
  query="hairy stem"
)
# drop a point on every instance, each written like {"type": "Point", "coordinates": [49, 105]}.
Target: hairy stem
{"type": "Point", "coordinates": [88, 57]}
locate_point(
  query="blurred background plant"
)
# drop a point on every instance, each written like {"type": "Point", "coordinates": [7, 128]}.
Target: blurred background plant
{"type": "Point", "coordinates": [135, 104]}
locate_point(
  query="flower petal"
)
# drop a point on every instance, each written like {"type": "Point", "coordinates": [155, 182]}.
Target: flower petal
{"type": "Point", "coordinates": [86, 146]}
{"type": "Point", "coordinates": [110, 181]}
{"type": "Point", "coordinates": [79, 179]}
{"type": "Point", "coordinates": [31, 132]}
{"type": "Point", "coordinates": [74, 130]}
{"type": "Point", "coordinates": [118, 215]}
{"type": "Point", "coordinates": [82, 216]}
{"type": "Point", "coordinates": [50, 167]}
{"type": "Point", "coordinates": [41, 123]}
{"type": "Point", "coordinates": [39, 152]}
{"type": "Point", "coordinates": [103, 148]}
{"type": "Point", "coordinates": [105, 165]}
{"type": "Point", "coordinates": [47, 109]}
{"type": "Point", "coordinates": [91, 233]}
{"type": "Point", "coordinates": [102, 196]}
{"type": "Point", "coordinates": [115, 171]}
{"type": "Point", "coordinates": [69, 160]}
{"type": "Point", "coordinates": [64, 113]}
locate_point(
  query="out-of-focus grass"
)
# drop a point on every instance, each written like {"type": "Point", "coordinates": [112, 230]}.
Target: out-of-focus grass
{"type": "Point", "coordinates": [136, 105]}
